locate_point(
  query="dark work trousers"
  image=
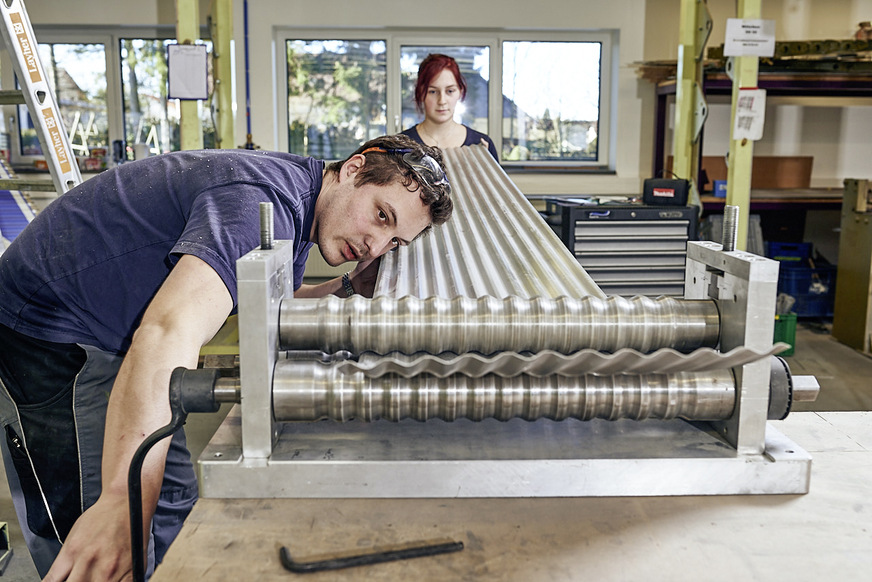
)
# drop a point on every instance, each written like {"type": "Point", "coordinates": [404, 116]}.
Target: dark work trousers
{"type": "Point", "coordinates": [53, 400]}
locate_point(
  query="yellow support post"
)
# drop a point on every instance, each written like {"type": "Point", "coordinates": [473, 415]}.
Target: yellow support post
{"type": "Point", "coordinates": [744, 75]}
{"type": "Point", "coordinates": [188, 32]}
{"type": "Point", "coordinates": [690, 107]}
{"type": "Point", "coordinates": [222, 34]}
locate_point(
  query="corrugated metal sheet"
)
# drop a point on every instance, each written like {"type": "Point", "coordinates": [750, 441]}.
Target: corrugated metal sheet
{"type": "Point", "coordinates": [498, 245]}
{"type": "Point", "coordinates": [548, 362]}
{"type": "Point", "coordinates": [495, 244]}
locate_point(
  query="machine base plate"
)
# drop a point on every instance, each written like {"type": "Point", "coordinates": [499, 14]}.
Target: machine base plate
{"type": "Point", "coordinates": [517, 458]}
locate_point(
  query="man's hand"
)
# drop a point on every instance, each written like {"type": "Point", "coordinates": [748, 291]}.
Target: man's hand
{"type": "Point", "coordinates": [98, 547]}
{"type": "Point", "coordinates": [364, 276]}
{"type": "Point", "coordinates": [363, 279]}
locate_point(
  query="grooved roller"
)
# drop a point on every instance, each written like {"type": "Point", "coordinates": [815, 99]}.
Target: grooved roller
{"type": "Point", "coordinates": [488, 325]}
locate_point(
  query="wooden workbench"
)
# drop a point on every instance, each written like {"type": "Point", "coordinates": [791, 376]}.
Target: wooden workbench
{"type": "Point", "coordinates": [824, 535]}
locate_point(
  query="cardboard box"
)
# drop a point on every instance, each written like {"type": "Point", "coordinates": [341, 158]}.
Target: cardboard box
{"type": "Point", "coordinates": [767, 172]}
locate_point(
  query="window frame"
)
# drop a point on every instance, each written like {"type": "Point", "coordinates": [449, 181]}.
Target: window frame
{"type": "Point", "coordinates": [53, 35]}
{"type": "Point", "coordinates": [396, 38]}
{"type": "Point", "coordinates": [110, 37]}
{"type": "Point", "coordinates": [280, 78]}
{"type": "Point", "coordinates": [446, 40]}
{"type": "Point", "coordinates": [606, 125]}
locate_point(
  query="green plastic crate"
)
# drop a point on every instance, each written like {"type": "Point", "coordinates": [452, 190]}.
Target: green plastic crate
{"type": "Point", "coordinates": [785, 331]}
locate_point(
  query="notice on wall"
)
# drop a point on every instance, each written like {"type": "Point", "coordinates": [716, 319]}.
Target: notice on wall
{"type": "Point", "coordinates": [749, 38]}
{"type": "Point", "coordinates": [750, 114]}
{"type": "Point", "coordinates": [188, 71]}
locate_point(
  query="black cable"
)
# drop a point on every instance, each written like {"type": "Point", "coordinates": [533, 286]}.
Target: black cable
{"type": "Point", "coordinates": [134, 475]}
{"type": "Point", "coordinates": [189, 391]}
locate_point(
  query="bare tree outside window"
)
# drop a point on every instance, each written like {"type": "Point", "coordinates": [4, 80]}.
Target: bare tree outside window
{"type": "Point", "coordinates": [336, 95]}
{"type": "Point", "coordinates": [149, 116]}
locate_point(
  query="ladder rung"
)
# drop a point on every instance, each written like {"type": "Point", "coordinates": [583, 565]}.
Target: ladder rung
{"type": "Point", "coordinates": [28, 185]}
{"type": "Point", "coordinates": [11, 97]}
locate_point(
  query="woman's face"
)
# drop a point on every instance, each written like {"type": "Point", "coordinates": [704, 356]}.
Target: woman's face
{"type": "Point", "coordinates": [442, 97]}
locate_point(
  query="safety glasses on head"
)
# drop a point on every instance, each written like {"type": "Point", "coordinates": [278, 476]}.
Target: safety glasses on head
{"type": "Point", "coordinates": [422, 165]}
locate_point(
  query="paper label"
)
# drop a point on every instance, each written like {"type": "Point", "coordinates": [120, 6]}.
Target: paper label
{"type": "Point", "coordinates": [748, 38]}
{"type": "Point", "coordinates": [750, 114]}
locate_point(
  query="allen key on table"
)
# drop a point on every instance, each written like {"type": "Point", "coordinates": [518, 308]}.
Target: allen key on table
{"type": "Point", "coordinates": [418, 551]}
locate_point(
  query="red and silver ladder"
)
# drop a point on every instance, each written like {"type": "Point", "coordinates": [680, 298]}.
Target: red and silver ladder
{"type": "Point", "coordinates": [36, 92]}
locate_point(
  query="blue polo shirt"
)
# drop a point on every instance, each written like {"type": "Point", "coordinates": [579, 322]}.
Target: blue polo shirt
{"type": "Point", "coordinates": [85, 269]}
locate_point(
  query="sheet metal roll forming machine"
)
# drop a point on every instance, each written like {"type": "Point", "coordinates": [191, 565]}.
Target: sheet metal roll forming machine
{"type": "Point", "coordinates": [489, 364]}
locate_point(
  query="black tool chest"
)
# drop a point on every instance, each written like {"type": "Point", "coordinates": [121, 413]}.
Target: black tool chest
{"type": "Point", "coordinates": [627, 249]}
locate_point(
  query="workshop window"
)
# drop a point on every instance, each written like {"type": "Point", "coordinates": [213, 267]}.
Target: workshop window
{"type": "Point", "coordinates": [111, 88]}
{"type": "Point", "coordinates": [544, 98]}
{"type": "Point", "coordinates": [336, 95]}
{"type": "Point", "coordinates": [551, 98]}
{"type": "Point", "coordinates": [151, 118]}
{"type": "Point", "coordinates": [77, 76]}
{"type": "Point", "coordinates": [474, 64]}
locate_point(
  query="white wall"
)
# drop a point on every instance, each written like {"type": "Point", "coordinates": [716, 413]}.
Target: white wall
{"type": "Point", "coordinates": [648, 30]}
{"type": "Point", "coordinates": [265, 15]}
{"type": "Point", "coordinates": [107, 12]}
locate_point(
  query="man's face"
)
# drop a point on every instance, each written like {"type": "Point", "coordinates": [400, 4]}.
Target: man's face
{"type": "Point", "coordinates": [359, 224]}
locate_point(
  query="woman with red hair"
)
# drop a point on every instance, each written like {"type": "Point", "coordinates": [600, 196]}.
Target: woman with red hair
{"type": "Point", "coordinates": [439, 88]}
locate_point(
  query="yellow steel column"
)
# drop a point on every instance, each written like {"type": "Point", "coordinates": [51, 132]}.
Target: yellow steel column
{"type": "Point", "coordinates": [744, 75]}
{"type": "Point", "coordinates": [690, 108]}
{"type": "Point", "coordinates": [222, 33]}
{"type": "Point", "coordinates": [187, 32]}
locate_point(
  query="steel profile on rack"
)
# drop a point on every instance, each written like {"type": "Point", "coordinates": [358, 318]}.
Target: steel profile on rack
{"type": "Point", "coordinates": [546, 363]}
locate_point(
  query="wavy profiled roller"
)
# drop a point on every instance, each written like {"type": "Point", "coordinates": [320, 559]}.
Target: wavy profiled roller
{"type": "Point", "coordinates": [316, 391]}
{"type": "Point", "coordinates": [488, 325]}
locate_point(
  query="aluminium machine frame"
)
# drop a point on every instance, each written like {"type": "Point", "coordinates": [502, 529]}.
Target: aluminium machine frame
{"type": "Point", "coordinates": [284, 439]}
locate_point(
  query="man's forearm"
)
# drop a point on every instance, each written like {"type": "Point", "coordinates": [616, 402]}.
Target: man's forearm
{"type": "Point", "coordinates": [138, 406]}
{"type": "Point", "coordinates": [331, 287]}
{"type": "Point", "coordinates": [361, 279]}
{"type": "Point", "coordinates": [185, 313]}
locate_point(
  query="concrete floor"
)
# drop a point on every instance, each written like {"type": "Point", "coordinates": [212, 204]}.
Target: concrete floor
{"type": "Point", "coordinates": [842, 373]}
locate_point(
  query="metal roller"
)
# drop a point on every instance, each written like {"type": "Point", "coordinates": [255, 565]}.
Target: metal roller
{"type": "Point", "coordinates": [489, 325]}
{"type": "Point", "coordinates": [315, 391]}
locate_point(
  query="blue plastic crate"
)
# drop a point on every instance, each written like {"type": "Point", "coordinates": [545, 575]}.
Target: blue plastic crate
{"type": "Point", "coordinates": [793, 252]}
{"type": "Point", "coordinates": [813, 289]}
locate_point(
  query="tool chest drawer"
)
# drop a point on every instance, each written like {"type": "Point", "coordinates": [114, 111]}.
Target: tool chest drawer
{"type": "Point", "coordinates": [628, 250]}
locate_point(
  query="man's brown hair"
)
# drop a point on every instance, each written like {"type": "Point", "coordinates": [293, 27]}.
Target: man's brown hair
{"type": "Point", "coordinates": [385, 165]}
